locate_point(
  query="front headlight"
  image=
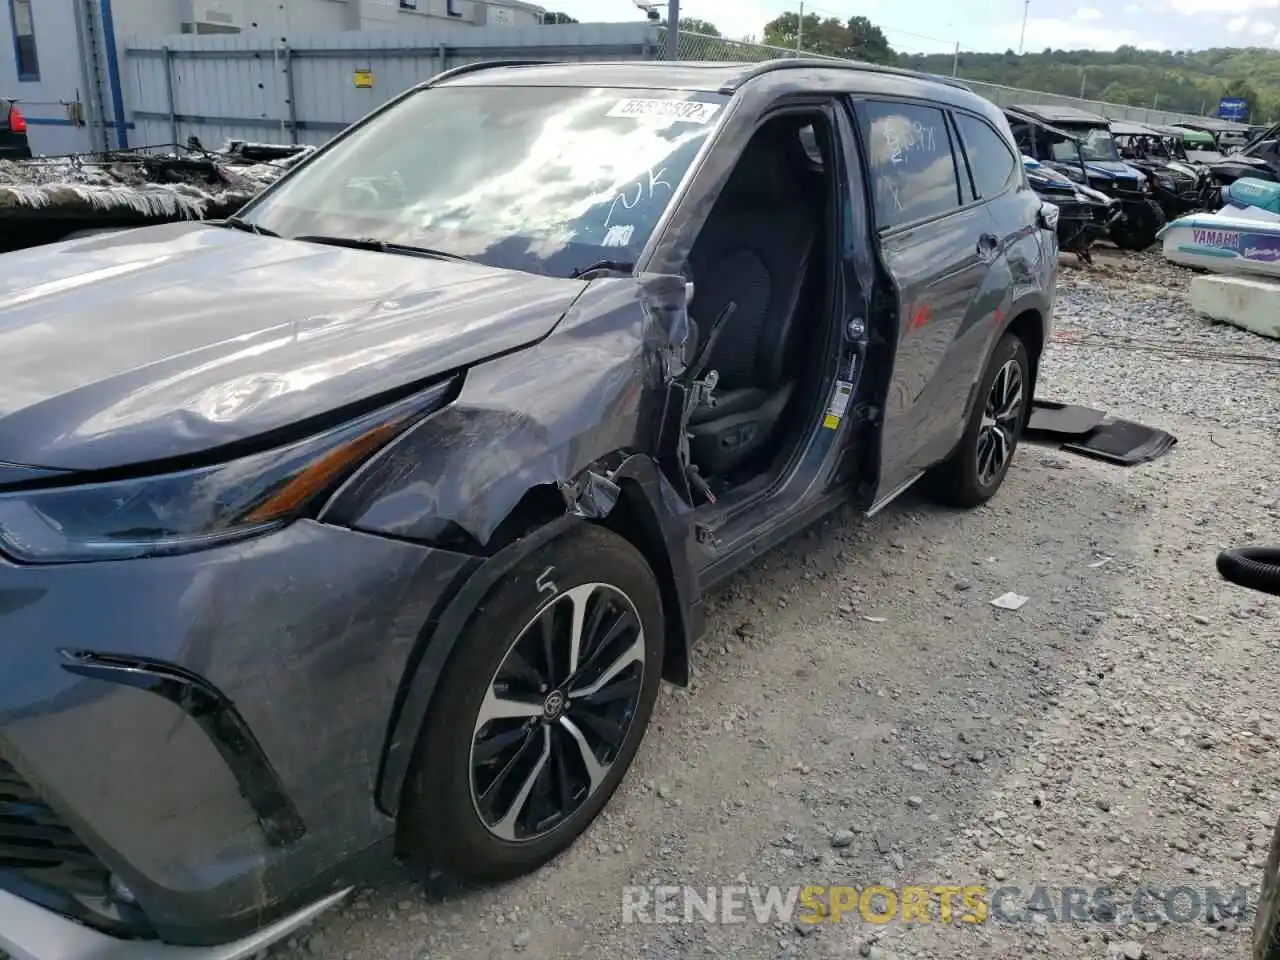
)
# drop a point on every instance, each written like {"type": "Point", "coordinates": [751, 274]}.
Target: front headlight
{"type": "Point", "coordinates": [193, 509]}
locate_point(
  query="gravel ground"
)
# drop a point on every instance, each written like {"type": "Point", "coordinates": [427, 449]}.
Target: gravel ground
{"type": "Point", "coordinates": [862, 714]}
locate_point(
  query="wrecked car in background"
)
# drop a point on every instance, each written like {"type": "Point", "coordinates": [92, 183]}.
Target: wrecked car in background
{"type": "Point", "coordinates": [1230, 152]}
{"type": "Point", "coordinates": [1178, 185]}
{"type": "Point", "coordinates": [47, 199]}
{"type": "Point", "coordinates": [1085, 214]}
{"type": "Point", "coordinates": [1092, 148]}
{"type": "Point", "coordinates": [406, 490]}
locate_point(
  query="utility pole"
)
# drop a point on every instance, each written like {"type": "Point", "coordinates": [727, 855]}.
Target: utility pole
{"type": "Point", "coordinates": [955, 61]}
{"type": "Point", "coordinates": [673, 29]}
{"type": "Point", "coordinates": [1026, 8]}
{"type": "Point", "coordinates": [1083, 75]}
{"type": "Point", "coordinates": [800, 29]}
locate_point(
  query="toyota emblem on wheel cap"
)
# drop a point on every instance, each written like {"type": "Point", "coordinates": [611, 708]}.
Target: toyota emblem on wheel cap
{"type": "Point", "coordinates": [553, 706]}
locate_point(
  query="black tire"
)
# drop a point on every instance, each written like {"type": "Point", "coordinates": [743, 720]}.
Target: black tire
{"type": "Point", "coordinates": [1266, 923]}
{"type": "Point", "coordinates": [440, 822]}
{"type": "Point", "coordinates": [1139, 231]}
{"type": "Point", "coordinates": [961, 480]}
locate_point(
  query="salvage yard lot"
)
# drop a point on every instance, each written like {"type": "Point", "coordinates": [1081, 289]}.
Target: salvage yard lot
{"type": "Point", "coordinates": [1118, 729]}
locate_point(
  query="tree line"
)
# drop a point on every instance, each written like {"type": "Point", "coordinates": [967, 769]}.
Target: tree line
{"type": "Point", "coordinates": [1184, 81]}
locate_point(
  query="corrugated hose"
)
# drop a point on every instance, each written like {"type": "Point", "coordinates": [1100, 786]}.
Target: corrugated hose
{"type": "Point", "coordinates": [1257, 568]}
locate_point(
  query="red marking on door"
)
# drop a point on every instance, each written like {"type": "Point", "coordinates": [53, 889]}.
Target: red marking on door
{"type": "Point", "coordinates": [999, 314]}
{"type": "Point", "coordinates": [921, 317]}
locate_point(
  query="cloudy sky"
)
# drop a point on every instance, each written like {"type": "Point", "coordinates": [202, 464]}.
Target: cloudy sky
{"type": "Point", "coordinates": [934, 25]}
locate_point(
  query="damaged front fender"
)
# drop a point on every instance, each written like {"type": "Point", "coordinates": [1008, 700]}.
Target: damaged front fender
{"type": "Point", "coordinates": [581, 427]}
{"type": "Point", "coordinates": [469, 477]}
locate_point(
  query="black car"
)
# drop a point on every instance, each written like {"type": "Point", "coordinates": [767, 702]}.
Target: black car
{"type": "Point", "coordinates": [1178, 185]}
{"type": "Point", "coordinates": [1104, 170]}
{"type": "Point", "coordinates": [13, 132]}
{"type": "Point", "coordinates": [1084, 215]}
{"type": "Point", "coordinates": [371, 519]}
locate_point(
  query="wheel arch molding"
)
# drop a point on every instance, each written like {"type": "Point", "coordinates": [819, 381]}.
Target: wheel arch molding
{"type": "Point", "coordinates": [1027, 317]}
{"type": "Point", "coordinates": [629, 495]}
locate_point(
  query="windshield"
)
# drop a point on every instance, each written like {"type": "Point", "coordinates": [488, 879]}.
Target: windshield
{"type": "Point", "coordinates": [1064, 151]}
{"type": "Point", "coordinates": [543, 179]}
{"type": "Point", "coordinates": [1096, 143]}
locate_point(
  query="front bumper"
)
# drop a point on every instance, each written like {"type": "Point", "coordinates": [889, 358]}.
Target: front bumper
{"type": "Point", "coordinates": [28, 932]}
{"type": "Point", "coordinates": [207, 729]}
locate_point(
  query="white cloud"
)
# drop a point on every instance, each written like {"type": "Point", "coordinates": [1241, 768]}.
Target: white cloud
{"type": "Point", "coordinates": [1261, 28]}
{"type": "Point", "coordinates": [1133, 8]}
{"type": "Point", "coordinates": [1069, 35]}
{"type": "Point", "coordinates": [1236, 24]}
{"type": "Point", "coordinates": [1192, 7]}
{"type": "Point", "coordinates": [735, 18]}
{"type": "Point", "coordinates": [1088, 13]}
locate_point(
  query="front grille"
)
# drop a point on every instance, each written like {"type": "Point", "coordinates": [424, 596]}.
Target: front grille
{"type": "Point", "coordinates": [43, 860]}
{"type": "Point", "coordinates": [35, 841]}
{"type": "Point", "coordinates": [1071, 210]}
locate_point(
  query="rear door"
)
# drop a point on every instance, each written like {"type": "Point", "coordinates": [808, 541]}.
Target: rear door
{"type": "Point", "coordinates": [937, 243]}
{"type": "Point", "coordinates": [1000, 184]}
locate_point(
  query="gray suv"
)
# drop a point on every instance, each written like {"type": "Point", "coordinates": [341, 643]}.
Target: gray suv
{"type": "Point", "coordinates": [372, 518]}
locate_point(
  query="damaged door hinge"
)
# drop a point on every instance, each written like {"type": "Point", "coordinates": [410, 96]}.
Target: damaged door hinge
{"type": "Point", "coordinates": [699, 483]}
{"type": "Point", "coordinates": [701, 390]}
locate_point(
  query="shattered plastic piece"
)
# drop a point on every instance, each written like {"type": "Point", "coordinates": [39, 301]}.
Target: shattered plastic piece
{"type": "Point", "coordinates": [875, 619]}
{"type": "Point", "coordinates": [1009, 601]}
{"type": "Point", "coordinates": [1100, 562]}
{"type": "Point", "coordinates": [593, 496]}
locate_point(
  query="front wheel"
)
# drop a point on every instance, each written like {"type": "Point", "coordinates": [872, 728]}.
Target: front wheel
{"type": "Point", "coordinates": [1140, 226]}
{"type": "Point", "coordinates": [540, 710]}
{"type": "Point", "coordinates": [976, 469]}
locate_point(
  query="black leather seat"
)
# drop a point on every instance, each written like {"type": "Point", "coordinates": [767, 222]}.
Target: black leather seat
{"type": "Point", "coordinates": [756, 250]}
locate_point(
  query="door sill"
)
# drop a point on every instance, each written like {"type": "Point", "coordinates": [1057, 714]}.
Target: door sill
{"type": "Point", "coordinates": [893, 495]}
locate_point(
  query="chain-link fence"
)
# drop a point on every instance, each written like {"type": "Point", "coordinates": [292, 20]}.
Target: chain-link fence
{"type": "Point", "coordinates": [697, 46]}
{"type": "Point", "coordinates": [700, 47]}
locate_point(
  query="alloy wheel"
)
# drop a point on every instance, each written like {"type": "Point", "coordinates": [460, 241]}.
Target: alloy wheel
{"type": "Point", "coordinates": [557, 712]}
{"type": "Point", "coordinates": [1001, 421]}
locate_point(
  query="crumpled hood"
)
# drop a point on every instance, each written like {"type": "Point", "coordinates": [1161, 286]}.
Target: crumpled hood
{"type": "Point", "coordinates": [167, 341]}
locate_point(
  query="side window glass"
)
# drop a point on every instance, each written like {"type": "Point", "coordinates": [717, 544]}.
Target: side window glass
{"type": "Point", "coordinates": [967, 183]}
{"type": "Point", "coordinates": [913, 171]}
{"type": "Point", "coordinates": [990, 159]}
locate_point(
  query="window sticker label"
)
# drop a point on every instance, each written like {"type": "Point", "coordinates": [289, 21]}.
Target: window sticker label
{"type": "Point", "coordinates": [619, 236]}
{"type": "Point", "coordinates": [839, 403]}
{"type": "Point", "coordinates": [688, 111]}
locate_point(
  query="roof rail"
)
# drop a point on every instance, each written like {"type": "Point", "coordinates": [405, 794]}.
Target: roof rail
{"type": "Point", "coordinates": [794, 63]}
{"type": "Point", "coordinates": [482, 65]}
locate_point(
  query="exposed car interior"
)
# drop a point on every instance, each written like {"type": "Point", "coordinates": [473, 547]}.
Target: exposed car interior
{"type": "Point", "coordinates": [764, 248]}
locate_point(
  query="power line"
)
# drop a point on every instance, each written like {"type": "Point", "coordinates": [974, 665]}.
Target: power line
{"type": "Point", "coordinates": [887, 28]}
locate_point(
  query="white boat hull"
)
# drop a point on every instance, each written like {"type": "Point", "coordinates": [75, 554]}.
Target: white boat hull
{"type": "Point", "coordinates": [1242, 243]}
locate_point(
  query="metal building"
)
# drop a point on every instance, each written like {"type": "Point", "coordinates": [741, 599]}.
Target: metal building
{"type": "Point", "coordinates": [62, 60]}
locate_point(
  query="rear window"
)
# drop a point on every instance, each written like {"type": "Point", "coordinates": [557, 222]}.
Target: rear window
{"type": "Point", "coordinates": [912, 168]}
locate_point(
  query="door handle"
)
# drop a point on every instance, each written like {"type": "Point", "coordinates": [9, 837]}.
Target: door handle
{"type": "Point", "coordinates": [988, 245]}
